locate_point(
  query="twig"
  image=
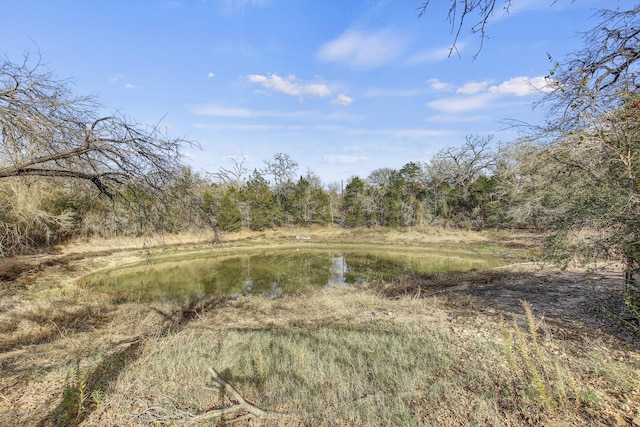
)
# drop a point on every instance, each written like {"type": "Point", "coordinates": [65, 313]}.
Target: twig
{"type": "Point", "coordinates": [240, 409]}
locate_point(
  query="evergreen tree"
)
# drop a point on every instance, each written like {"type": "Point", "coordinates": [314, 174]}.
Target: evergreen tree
{"type": "Point", "coordinates": [354, 212]}
{"type": "Point", "coordinates": [229, 217]}
{"type": "Point", "coordinates": [260, 208]}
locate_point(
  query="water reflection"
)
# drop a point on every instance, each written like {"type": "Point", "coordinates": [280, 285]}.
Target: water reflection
{"type": "Point", "coordinates": [274, 273]}
{"type": "Point", "coordinates": [338, 269]}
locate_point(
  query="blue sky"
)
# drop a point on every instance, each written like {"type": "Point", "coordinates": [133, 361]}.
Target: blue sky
{"type": "Point", "coordinates": [342, 87]}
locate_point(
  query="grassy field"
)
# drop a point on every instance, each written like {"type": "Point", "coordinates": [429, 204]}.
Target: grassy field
{"type": "Point", "coordinates": [519, 345]}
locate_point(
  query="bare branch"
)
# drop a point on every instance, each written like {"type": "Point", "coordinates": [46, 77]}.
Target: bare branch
{"type": "Point", "coordinates": [45, 130]}
{"type": "Point", "coordinates": [459, 166]}
{"type": "Point", "coordinates": [241, 410]}
{"type": "Point", "coordinates": [589, 83]}
{"type": "Point", "coordinates": [235, 175]}
{"type": "Point", "coordinates": [460, 10]}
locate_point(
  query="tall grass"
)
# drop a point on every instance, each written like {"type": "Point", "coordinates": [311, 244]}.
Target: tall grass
{"type": "Point", "coordinates": [541, 381]}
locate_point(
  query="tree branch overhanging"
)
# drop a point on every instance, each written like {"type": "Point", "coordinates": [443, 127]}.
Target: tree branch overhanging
{"type": "Point", "coordinates": [460, 11]}
{"type": "Point", "coordinates": [590, 82]}
{"type": "Point", "coordinates": [47, 131]}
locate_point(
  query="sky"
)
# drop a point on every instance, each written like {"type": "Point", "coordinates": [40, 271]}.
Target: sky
{"type": "Point", "coordinates": [343, 87]}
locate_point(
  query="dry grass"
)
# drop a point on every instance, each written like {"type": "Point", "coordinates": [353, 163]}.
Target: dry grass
{"type": "Point", "coordinates": [353, 357]}
{"type": "Point", "coordinates": [451, 349]}
{"type": "Point", "coordinates": [432, 236]}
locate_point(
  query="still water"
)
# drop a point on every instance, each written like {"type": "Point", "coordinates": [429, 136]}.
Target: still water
{"type": "Point", "coordinates": [275, 271]}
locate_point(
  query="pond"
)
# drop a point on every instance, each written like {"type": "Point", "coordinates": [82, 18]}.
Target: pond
{"type": "Point", "coordinates": [274, 271]}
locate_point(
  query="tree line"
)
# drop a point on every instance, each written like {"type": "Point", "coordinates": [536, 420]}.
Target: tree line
{"type": "Point", "coordinates": [38, 213]}
{"type": "Point", "coordinates": [479, 184]}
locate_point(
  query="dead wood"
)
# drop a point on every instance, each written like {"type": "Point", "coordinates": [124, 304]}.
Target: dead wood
{"type": "Point", "coordinates": [242, 410]}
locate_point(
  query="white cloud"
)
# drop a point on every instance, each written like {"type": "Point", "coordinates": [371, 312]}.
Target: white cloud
{"type": "Point", "coordinates": [290, 85]}
{"type": "Point", "coordinates": [473, 87]}
{"type": "Point", "coordinates": [363, 50]}
{"type": "Point", "coordinates": [229, 7]}
{"type": "Point", "coordinates": [328, 128]}
{"type": "Point", "coordinates": [401, 133]}
{"type": "Point", "coordinates": [211, 75]}
{"type": "Point", "coordinates": [464, 118]}
{"type": "Point", "coordinates": [458, 105]}
{"type": "Point", "coordinates": [438, 85]}
{"type": "Point", "coordinates": [377, 92]}
{"type": "Point", "coordinates": [213, 110]}
{"type": "Point", "coordinates": [344, 116]}
{"type": "Point", "coordinates": [216, 111]}
{"type": "Point", "coordinates": [336, 158]}
{"type": "Point", "coordinates": [435, 55]}
{"type": "Point", "coordinates": [529, 5]}
{"type": "Point", "coordinates": [342, 99]}
{"type": "Point", "coordinates": [416, 133]}
{"type": "Point", "coordinates": [115, 78]}
{"type": "Point", "coordinates": [118, 78]}
{"type": "Point", "coordinates": [522, 86]}
{"type": "Point", "coordinates": [245, 128]}
{"type": "Point", "coordinates": [478, 95]}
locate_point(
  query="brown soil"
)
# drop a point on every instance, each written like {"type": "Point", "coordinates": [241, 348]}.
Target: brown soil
{"type": "Point", "coordinates": [572, 303]}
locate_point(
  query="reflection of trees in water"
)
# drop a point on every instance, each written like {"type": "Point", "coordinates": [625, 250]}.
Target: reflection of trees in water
{"type": "Point", "coordinates": [274, 274]}
{"type": "Point", "coordinates": [338, 270]}
{"type": "Point", "coordinates": [247, 281]}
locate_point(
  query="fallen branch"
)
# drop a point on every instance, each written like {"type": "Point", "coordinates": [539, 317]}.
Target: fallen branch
{"type": "Point", "coordinates": [240, 410]}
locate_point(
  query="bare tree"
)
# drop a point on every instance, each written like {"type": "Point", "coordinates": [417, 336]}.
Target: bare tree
{"type": "Point", "coordinates": [47, 131]}
{"type": "Point", "coordinates": [460, 166]}
{"type": "Point", "coordinates": [282, 168]}
{"type": "Point", "coordinates": [379, 178]}
{"type": "Point", "coordinates": [235, 175]}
